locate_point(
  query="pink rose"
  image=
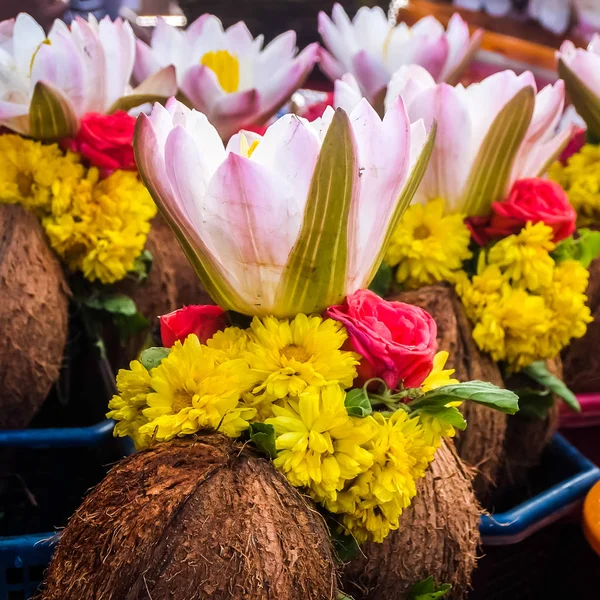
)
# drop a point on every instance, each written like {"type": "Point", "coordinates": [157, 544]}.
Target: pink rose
{"type": "Point", "coordinates": [530, 200]}
{"type": "Point", "coordinates": [396, 340]}
{"type": "Point", "coordinates": [202, 320]}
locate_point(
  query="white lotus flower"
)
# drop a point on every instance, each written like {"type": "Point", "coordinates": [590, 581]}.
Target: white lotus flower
{"type": "Point", "coordinates": [496, 8]}
{"type": "Point", "coordinates": [372, 50]}
{"type": "Point", "coordinates": [580, 70]}
{"type": "Point", "coordinates": [48, 83]}
{"type": "Point", "coordinates": [291, 222]}
{"type": "Point", "coordinates": [227, 74]}
{"type": "Point", "coordinates": [554, 15]}
{"type": "Point", "coordinates": [489, 134]}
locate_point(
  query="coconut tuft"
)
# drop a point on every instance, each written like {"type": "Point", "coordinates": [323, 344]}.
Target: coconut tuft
{"type": "Point", "coordinates": [481, 445]}
{"type": "Point", "coordinates": [33, 317]}
{"type": "Point", "coordinates": [198, 518]}
{"type": "Point", "coordinates": [438, 537]}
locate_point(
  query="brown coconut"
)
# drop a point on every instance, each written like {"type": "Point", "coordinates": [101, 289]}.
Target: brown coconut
{"type": "Point", "coordinates": [481, 445]}
{"type": "Point", "coordinates": [581, 361]}
{"type": "Point", "coordinates": [33, 317]}
{"type": "Point", "coordinates": [527, 437]}
{"type": "Point", "coordinates": [438, 537]}
{"type": "Point", "coordinates": [202, 519]}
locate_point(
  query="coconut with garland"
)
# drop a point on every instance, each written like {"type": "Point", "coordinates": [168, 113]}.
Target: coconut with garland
{"type": "Point", "coordinates": [485, 223]}
{"type": "Point", "coordinates": [299, 408]}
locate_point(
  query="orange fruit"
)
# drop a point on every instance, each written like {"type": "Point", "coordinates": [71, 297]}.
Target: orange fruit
{"type": "Point", "coordinates": [591, 518]}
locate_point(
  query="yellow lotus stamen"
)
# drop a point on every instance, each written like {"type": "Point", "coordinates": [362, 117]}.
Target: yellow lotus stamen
{"type": "Point", "coordinates": [246, 149]}
{"type": "Point", "coordinates": [226, 67]}
{"type": "Point", "coordinates": [48, 43]}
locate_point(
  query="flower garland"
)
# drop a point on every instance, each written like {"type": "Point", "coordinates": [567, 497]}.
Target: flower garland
{"type": "Point", "coordinates": [524, 295]}
{"type": "Point", "coordinates": [290, 387]}
{"type": "Point", "coordinates": [580, 177]}
{"type": "Point", "coordinates": [97, 226]}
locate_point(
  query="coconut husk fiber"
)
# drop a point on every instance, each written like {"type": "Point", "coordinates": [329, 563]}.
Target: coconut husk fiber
{"type": "Point", "coordinates": [581, 360]}
{"type": "Point", "coordinates": [198, 519]}
{"type": "Point", "coordinates": [527, 437]}
{"type": "Point", "coordinates": [438, 537]}
{"type": "Point", "coordinates": [481, 444]}
{"type": "Point", "coordinates": [33, 317]}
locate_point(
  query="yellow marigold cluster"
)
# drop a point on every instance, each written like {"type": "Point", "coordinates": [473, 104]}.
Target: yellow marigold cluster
{"type": "Point", "coordinates": [292, 375]}
{"type": "Point", "coordinates": [580, 178]}
{"type": "Point", "coordinates": [523, 305]}
{"type": "Point", "coordinates": [428, 246]}
{"type": "Point", "coordinates": [98, 227]}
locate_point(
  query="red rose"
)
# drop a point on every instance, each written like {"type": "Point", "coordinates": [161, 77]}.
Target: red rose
{"type": "Point", "coordinates": [106, 141]}
{"type": "Point", "coordinates": [530, 200]}
{"type": "Point", "coordinates": [576, 143]}
{"type": "Point", "coordinates": [202, 320]}
{"type": "Point", "coordinates": [316, 110]}
{"type": "Point", "coordinates": [397, 341]}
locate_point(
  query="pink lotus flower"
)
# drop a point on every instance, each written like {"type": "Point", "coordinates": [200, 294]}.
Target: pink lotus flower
{"type": "Point", "coordinates": [48, 83]}
{"type": "Point", "coordinates": [227, 75]}
{"type": "Point", "coordinates": [396, 340]}
{"type": "Point", "coordinates": [372, 50]}
{"type": "Point", "coordinates": [489, 134]}
{"type": "Point", "coordinates": [580, 70]}
{"type": "Point", "coordinates": [290, 222]}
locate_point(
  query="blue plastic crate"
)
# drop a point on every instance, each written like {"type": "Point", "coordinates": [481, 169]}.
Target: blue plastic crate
{"type": "Point", "coordinates": [23, 560]}
{"type": "Point", "coordinates": [518, 523]}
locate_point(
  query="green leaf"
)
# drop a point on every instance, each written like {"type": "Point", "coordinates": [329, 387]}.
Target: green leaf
{"type": "Point", "coordinates": [383, 280]}
{"type": "Point", "coordinates": [406, 196]}
{"type": "Point", "coordinates": [539, 373]}
{"type": "Point", "coordinates": [585, 101]}
{"type": "Point", "coordinates": [156, 88]}
{"type": "Point", "coordinates": [357, 403]}
{"type": "Point", "coordinates": [583, 249]}
{"type": "Point", "coordinates": [534, 404]}
{"type": "Point", "coordinates": [428, 590]}
{"type": "Point", "coordinates": [51, 115]}
{"type": "Point", "coordinates": [491, 170]}
{"type": "Point", "coordinates": [448, 414]}
{"type": "Point", "coordinates": [340, 595]}
{"type": "Point", "coordinates": [152, 357]}
{"type": "Point", "coordinates": [130, 325]}
{"type": "Point", "coordinates": [346, 547]}
{"type": "Point", "coordinates": [479, 392]}
{"type": "Point", "coordinates": [263, 436]}
{"type": "Point", "coordinates": [112, 303]}
{"type": "Point", "coordinates": [142, 266]}
{"type": "Point", "coordinates": [315, 274]}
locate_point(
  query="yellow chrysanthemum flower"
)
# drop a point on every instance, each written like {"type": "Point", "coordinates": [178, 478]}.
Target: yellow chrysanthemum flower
{"type": "Point", "coordinates": [371, 504]}
{"type": "Point", "coordinates": [192, 391]}
{"type": "Point", "coordinates": [104, 228]}
{"type": "Point", "coordinates": [232, 342]}
{"type": "Point", "coordinates": [580, 178]}
{"type": "Point", "coordinates": [428, 246]}
{"type": "Point", "coordinates": [133, 386]}
{"type": "Point", "coordinates": [439, 376]}
{"type": "Point", "coordinates": [434, 428]}
{"type": "Point", "coordinates": [36, 175]}
{"type": "Point", "coordinates": [288, 356]}
{"type": "Point", "coordinates": [319, 445]}
{"type": "Point", "coordinates": [524, 258]}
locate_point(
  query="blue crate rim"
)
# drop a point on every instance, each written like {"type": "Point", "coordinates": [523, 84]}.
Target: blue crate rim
{"type": "Point", "coordinates": [529, 516]}
{"type": "Point", "coordinates": [55, 437]}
